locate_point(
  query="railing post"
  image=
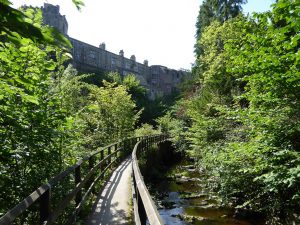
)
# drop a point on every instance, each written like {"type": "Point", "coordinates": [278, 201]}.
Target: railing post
{"type": "Point", "coordinates": [108, 153]}
{"type": "Point", "coordinates": [141, 209]}
{"type": "Point", "coordinates": [102, 154]}
{"type": "Point", "coordinates": [91, 162]}
{"type": "Point", "coordinates": [91, 165]}
{"type": "Point", "coordinates": [116, 154]}
{"type": "Point", "coordinates": [101, 158]}
{"type": "Point", "coordinates": [124, 150]}
{"type": "Point", "coordinates": [78, 197]}
{"type": "Point", "coordinates": [45, 209]}
{"type": "Point", "coordinates": [127, 146]}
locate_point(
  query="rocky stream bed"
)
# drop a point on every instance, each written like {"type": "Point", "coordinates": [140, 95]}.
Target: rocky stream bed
{"type": "Point", "coordinates": [182, 198]}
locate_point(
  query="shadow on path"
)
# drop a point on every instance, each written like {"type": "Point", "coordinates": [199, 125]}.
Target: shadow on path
{"type": "Point", "coordinates": [112, 204]}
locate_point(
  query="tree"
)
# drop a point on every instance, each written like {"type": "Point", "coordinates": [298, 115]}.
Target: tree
{"type": "Point", "coordinates": [226, 9]}
{"type": "Point", "coordinates": [14, 26]}
{"type": "Point", "coordinates": [220, 10]}
{"type": "Point", "coordinates": [269, 57]}
{"type": "Point", "coordinates": [111, 114]}
{"type": "Point", "coordinates": [205, 16]}
{"type": "Point", "coordinates": [150, 109]}
{"type": "Point", "coordinates": [49, 116]}
{"type": "Point", "coordinates": [30, 119]}
{"type": "Point", "coordinates": [244, 115]}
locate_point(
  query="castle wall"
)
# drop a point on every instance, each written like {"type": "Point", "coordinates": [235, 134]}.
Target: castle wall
{"type": "Point", "coordinates": [159, 80]}
{"type": "Point", "coordinates": [89, 58]}
{"type": "Point", "coordinates": [52, 17]}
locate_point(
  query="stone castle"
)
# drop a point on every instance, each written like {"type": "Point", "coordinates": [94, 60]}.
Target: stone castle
{"type": "Point", "coordinates": [159, 80]}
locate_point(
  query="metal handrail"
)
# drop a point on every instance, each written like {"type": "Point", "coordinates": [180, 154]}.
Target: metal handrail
{"type": "Point", "coordinates": [144, 207]}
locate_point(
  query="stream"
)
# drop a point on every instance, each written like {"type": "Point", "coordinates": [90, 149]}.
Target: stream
{"type": "Point", "coordinates": [182, 198]}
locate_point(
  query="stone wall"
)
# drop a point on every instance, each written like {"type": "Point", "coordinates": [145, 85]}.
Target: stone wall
{"type": "Point", "coordinates": [88, 58]}
{"type": "Point", "coordinates": [159, 80]}
{"type": "Point", "coordinates": [52, 17]}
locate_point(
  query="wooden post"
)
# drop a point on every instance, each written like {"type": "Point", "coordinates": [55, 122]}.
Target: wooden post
{"type": "Point", "coordinates": [91, 162]}
{"type": "Point", "coordinates": [101, 158]}
{"type": "Point", "coordinates": [45, 210]}
{"type": "Point", "coordinates": [102, 155]}
{"type": "Point", "coordinates": [108, 153]}
{"type": "Point", "coordinates": [124, 150]}
{"type": "Point", "coordinates": [91, 165]}
{"type": "Point", "coordinates": [116, 155]}
{"type": "Point", "coordinates": [78, 197]}
{"type": "Point", "coordinates": [141, 209]}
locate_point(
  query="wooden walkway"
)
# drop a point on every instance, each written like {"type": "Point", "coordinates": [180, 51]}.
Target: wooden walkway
{"type": "Point", "coordinates": [113, 203]}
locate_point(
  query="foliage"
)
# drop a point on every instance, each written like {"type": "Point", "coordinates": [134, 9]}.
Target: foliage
{"type": "Point", "coordinates": [272, 90]}
{"type": "Point", "coordinates": [78, 3]}
{"type": "Point", "coordinates": [49, 116]}
{"type": "Point", "coordinates": [150, 109]}
{"type": "Point", "coordinates": [146, 130]}
{"type": "Point", "coordinates": [111, 115]}
{"type": "Point", "coordinates": [17, 24]}
{"type": "Point", "coordinates": [31, 120]}
{"type": "Point", "coordinates": [48, 123]}
{"type": "Point", "coordinates": [175, 128]}
{"type": "Point", "coordinates": [132, 84]}
{"type": "Point", "coordinates": [243, 115]}
{"type": "Point", "coordinates": [97, 115]}
{"type": "Point", "coordinates": [215, 10]}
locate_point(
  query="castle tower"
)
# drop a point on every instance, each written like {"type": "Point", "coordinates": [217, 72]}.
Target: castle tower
{"type": "Point", "coordinates": [52, 17]}
{"type": "Point", "coordinates": [102, 46]}
{"type": "Point", "coordinates": [146, 62]}
{"type": "Point", "coordinates": [133, 58]}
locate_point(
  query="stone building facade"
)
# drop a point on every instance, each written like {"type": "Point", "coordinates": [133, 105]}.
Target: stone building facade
{"type": "Point", "coordinates": [159, 80]}
{"type": "Point", "coordinates": [52, 17]}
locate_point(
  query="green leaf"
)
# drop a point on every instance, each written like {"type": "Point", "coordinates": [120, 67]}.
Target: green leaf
{"type": "Point", "coordinates": [30, 98]}
{"type": "Point", "coordinates": [78, 3]}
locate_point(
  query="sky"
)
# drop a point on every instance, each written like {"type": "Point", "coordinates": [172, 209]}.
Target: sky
{"type": "Point", "coordinates": [161, 31]}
